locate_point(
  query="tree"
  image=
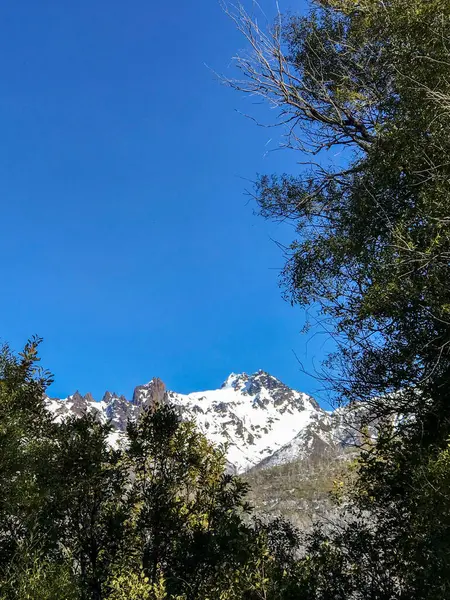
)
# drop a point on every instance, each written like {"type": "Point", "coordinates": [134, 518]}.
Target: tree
{"type": "Point", "coordinates": [25, 430]}
{"type": "Point", "coordinates": [83, 518]}
{"type": "Point", "coordinates": [32, 577]}
{"type": "Point", "coordinates": [189, 514]}
{"type": "Point", "coordinates": [370, 79]}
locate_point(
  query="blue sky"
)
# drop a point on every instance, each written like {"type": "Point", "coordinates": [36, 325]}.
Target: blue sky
{"type": "Point", "coordinates": [126, 239]}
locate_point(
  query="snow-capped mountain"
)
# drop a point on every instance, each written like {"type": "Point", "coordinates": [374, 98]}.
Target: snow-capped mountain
{"type": "Point", "coordinates": [262, 421]}
{"type": "Point", "coordinates": [254, 415]}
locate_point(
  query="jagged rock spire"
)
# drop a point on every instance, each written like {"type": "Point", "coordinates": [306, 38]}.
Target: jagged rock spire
{"type": "Point", "coordinates": [151, 395]}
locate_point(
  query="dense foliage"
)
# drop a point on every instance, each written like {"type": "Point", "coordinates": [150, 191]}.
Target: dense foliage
{"type": "Point", "coordinates": [363, 87]}
{"type": "Point", "coordinates": [369, 78]}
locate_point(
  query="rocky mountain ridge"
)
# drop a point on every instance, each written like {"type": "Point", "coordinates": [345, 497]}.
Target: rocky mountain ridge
{"type": "Point", "coordinates": [262, 421]}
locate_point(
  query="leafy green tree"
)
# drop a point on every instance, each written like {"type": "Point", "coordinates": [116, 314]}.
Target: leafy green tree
{"type": "Point", "coordinates": [188, 513]}
{"type": "Point", "coordinates": [369, 79]}
{"type": "Point", "coordinates": [85, 515]}
{"type": "Point", "coordinates": [24, 438]}
{"type": "Point", "coordinates": [32, 577]}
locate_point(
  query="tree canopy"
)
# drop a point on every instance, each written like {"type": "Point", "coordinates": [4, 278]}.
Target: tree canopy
{"type": "Point", "coordinates": [367, 81]}
{"type": "Point", "coordinates": [368, 78]}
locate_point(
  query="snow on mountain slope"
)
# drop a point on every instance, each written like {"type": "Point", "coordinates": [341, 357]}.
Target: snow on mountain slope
{"type": "Point", "coordinates": [76, 405]}
{"type": "Point", "coordinates": [327, 435]}
{"type": "Point", "coordinates": [254, 415]}
{"type": "Point", "coordinates": [260, 419]}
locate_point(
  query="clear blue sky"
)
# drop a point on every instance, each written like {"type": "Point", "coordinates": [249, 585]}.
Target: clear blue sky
{"type": "Point", "coordinates": [126, 239]}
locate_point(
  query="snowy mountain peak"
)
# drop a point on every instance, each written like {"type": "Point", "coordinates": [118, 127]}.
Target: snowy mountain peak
{"type": "Point", "coordinates": [252, 384]}
{"type": "Point", "coordinates": [234, 381]}
{"type": "Point", "coordinates": [253, 414]}
{"type": "Point", "coordinates": [109, 397]}
{"type": "Point", "coordinates": [261, 420]}
{"type": "Point", "coordinates": [150, 394]}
